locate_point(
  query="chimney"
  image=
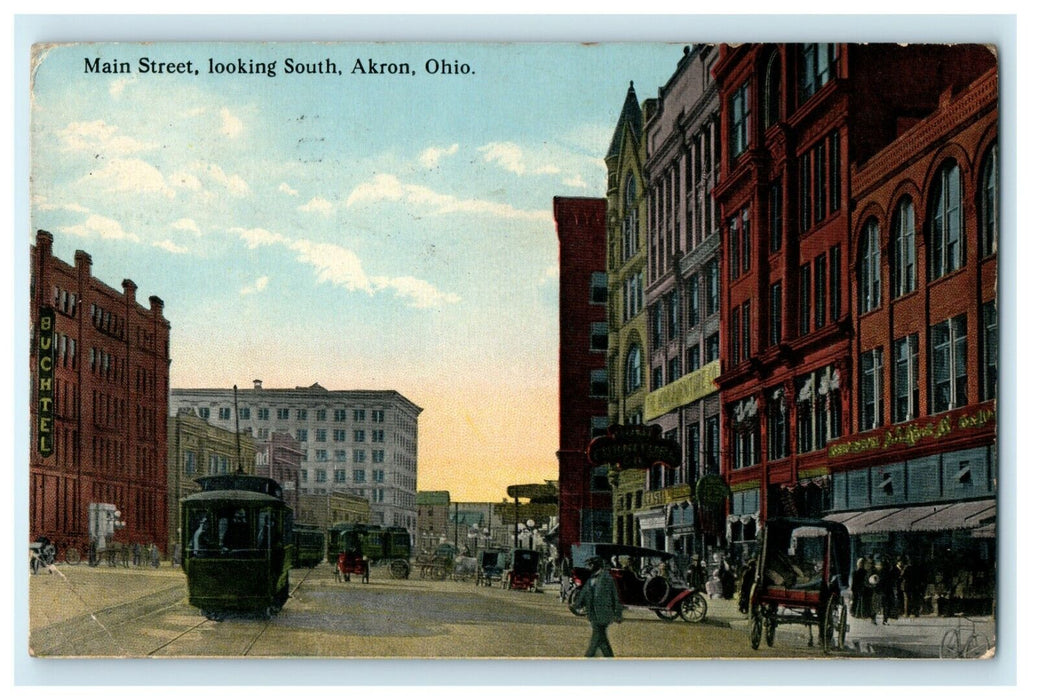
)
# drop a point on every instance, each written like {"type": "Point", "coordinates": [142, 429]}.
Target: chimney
{"type": "Point", "coordinates": [130, 290]}
{"type": "Point", "coordinates": [83, 262]}
{"type": "Point", "coordinates": [156, 305]}
{"type": "Point", "coordinates": [257, 384]}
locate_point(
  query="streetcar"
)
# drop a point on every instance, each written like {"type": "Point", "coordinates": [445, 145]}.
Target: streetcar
{"type": "Point", "coordinates": [309, 545]}
{"type": "Point", "coordinates": [371, 544]}
{"type": "Point", "coordinates": [237, 544]}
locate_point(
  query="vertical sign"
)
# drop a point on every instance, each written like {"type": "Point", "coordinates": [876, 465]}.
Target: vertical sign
{"type": "Point", "coordinates": [45, 386]}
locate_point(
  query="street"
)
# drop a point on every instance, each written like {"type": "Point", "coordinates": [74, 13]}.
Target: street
{"type": "Point", "coordinates": [143, 612]}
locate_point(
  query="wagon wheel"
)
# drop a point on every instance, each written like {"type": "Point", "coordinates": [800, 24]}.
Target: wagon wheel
{"type": "Point", "coordinates": [693, 608]}
{"type": "Point", "coordinates": [756, 619]}
{"type": "Point", "coordinates": [399, 568]}
{"type": "Point", "coordinates": [656, 590]}
{"type": "Point", "coordinates": [833, 628]}
{"type": "Point", "coordinates": [770, 625]}
{"type": "Point", "coordinates": [72, 556]}
{"type": "Point", "coordinates": [440, 573]}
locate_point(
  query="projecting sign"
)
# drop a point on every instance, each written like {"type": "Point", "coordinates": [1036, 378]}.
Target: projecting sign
{"type": "Point", "coordinates": [45, 384]}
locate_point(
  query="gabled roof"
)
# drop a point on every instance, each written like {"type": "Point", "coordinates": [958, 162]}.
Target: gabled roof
{"type": "Point", "coordinates": [630, 115]}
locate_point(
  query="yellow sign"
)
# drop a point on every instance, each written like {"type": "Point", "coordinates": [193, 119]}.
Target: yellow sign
{"type": "Point", "coordinates": [671, 494]}
{"type": "Point", "coordinates": [908, 434]}
{"type": "Point", "coordinates": [689, 388]}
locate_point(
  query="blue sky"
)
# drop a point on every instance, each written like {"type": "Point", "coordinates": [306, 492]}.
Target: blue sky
{"type": "Point", "coordinates": [357, 230]}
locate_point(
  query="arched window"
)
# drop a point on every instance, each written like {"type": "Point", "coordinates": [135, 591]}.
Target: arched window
{"type": "Point", "coordinates": [989, 203]}
{"type": "Point", "coordinates": [630, 226]}
{"type": "Point", "coordinates": [868, 274]}
{"type": "Point", "coordinates": [904, 248]}
{"type": "Point", "coordinates": [772, 89]}
{"type": "Point", "coordinates": [633, 370]}
{"type": "Point", "coordinates": [945, 222]}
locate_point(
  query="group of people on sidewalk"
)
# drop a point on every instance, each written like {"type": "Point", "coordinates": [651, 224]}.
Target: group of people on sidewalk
{"type": "Point", "coordinates": [880, 589]}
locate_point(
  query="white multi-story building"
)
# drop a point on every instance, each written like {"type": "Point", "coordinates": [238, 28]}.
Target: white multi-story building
{"type": "Point", "coordinates": [358, 441]}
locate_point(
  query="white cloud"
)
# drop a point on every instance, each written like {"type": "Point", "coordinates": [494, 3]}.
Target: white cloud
{"type": "Point", "coordinates": [41, 203]}
{"type": "Point", "coordinates": [186, 181]}
{"type": "Point", "coordinates": [99, 138]}
{"type": "Point", "coordinates": [318, 205]}
{"type": "Point", "coordinates": [231, 126]}
{"type": "Point", "coordinates": [101, 227]}
{"type": "Point", "coordinates": [129, 175]}
{"type": "Point", "coordinates": [232, 183]}
{"type": "Point", "coordinates": [576, 181]}
{"type": "Point", "coordinates": [382, 188]}
{"type": "Point", "coordinates": [285, 188]}
{"type": "Point", "coordinates": [186, 225]}
{"type": "Point", "coordinates": [431, 156]}
{"type": "Point", "coordinates": [256, 287]}
{"type": "Point", "coordinates": [388, 188]}
{"type": "Point", "coordinates": [423, 295]}
{"type": "Point", "coordinates": [117, 86]}
{"type": "Point", "coordinates": [334, 264]}
{"type": "Point", "coordinates": [256, 237]}
{"type": "Point", "coordinates": [170, 246]}
{"type": "Point", "coordinates": [510, 156]}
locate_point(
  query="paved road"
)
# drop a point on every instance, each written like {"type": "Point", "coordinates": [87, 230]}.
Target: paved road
{"type": "Point", "coordinates": [79, 611]}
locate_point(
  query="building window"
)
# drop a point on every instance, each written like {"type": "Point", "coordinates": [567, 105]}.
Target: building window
{"type": "Point", "coordinates": [817, 67]}
{"type": "Point", "coordinates": [189, 462]}
{"type": "Point", "coordinates": [989, 203]}
{"type": "Point", "coordinates": [225, 414]}
{"type": "Point", "coordinates": [657, 325]}
{"type": "Point", "coordinates": [906, 378]}
{"type": "Point", "coordinates": [735, 336]}
{"type": "Point", "coordinates": [692, 451]}
{"type": "Point", "coordinates": [599, 287]}
{"type": "Point", "coordinates": [359, 415]}
{"type": "Point", "coordinates": [599, 383]}
{"type": "Point", "coordinates": [630, 223]}
{"type": "Point", "coordinates": [820, 282]}
{"type": "Point", "coordinates": [775, 314]}
{"type": "Point", "coordinates": [322, 476]}
{"type": "Point", "coordinates": [359, 436]}
{"type": "Point", "coordinates": [734, 253]}
{"type": "Point", "coordinates": [745, 433]}
{"type": "Point", "coordinates": [775, 217]}
{"type": "Point", "coordinates": [945, 222]}
{"type": "Point", "coordinates": [673, 369]}
{"type": "Point", "coordinates": [948, 364]}
{"type": "Point", "coordinates": [322, 414]}
{"type": "Point", "coordinates": [378, 416]}
{"type": "Point", "coordinates": [282, 414]}
{"type": "Point", "coordinates": [713, 287]}
{"type": "Point", "coordinates": [713, 347]}
{"type": "Point", "coordinates": [378, 476]}
{"type": "Point", "coordinates": [320, 435]}
{"type": "Point", "coordinates": [739, 120]}
{"type": "Point", "coordinates": [340, 455]}
{"type": "Point", "coordinates": [339, 435]}
{"type": "Point", "coordinates": [203, 412]}
{"type": "Point", "coordinates": [989, 372]}
{"type": "Point", "coordinates": [674, 315]}
{"type": "Point", "coordinates": [244, 413]}
{"type": "Point", "coordinates": [745, 353]}
{"type": "Point", "coordinates": [263, 414]}
{"type": "Point", "coordinates": [599, 336]}
{"type": "Point", "coordinates": [634, 368]}
{"type": "Point", "coordinates": [301, 434]}
{"type": "Point", "coordinates": [870, 386]}
{"type": "Point", "coordinates": [693, 301]}
{"type": "Point", "coordinates": [819, 181]}
{"type": "Point", "coordinates": [772, 89]}
{"type": "Point", "coordinates": [694, 362]}
{"type": "Point", "coordinates": [634, 291]}
{"type": "Point", "coordinates": [321, 455]}
{"type": "Point", "coordinates": [339, 415]}
{"type": "Point", "coordinates": [805, 299]}
{"type": "Point", "coordinates": [869, 271]}
{"type": "Point", "coordinates": [712, 449]}
{"type": "Point", "coordinates": [904, 248]}
{"type": "Point", "coordinates": [834, 283]}
{"type": "Point", "coordinates": [359, 476]}
{"type": "Point", "coordinates": [378, 435]}
{"type": "Point", "coordinates": [778, 424]}
{"type": "Point", "coordinates": [340, 476]}
{"type": "Point", "coordinates": [300, 414]}
{"type": "Point", "coordinates": [819, 411]}
{"type": "Point", "coordinates": [359, 456]}
{"type": "Point", "coordinates": [657, 378]}
{"type": "Point", "coordinates": [599, 425]}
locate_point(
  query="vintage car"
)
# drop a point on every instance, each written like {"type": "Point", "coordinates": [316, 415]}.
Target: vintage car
{"type": "Point", "coordinates": [490, 566]}
{"type": "Point", "coordinates": [524, 572]}
{"type": "Point", "coordinates": [644, 578]}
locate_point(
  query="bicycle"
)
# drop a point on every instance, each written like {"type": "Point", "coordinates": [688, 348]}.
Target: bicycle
{"type": "Point", "coordinates": [963, 641]}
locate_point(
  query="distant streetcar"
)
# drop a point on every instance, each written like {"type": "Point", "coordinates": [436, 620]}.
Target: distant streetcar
{"type": "Point", "coordinates": [374, 543]}
{"type": "Point", "coordinates": [238, 545]}
{"type": "Point", "coordinates": [309, 545]}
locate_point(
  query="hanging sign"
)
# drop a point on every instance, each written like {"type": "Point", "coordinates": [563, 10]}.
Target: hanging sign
{"type": "Point", "coordinates": [45, 383]}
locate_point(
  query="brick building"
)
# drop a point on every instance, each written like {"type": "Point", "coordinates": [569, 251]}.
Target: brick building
{"type": "Point", "coordinates": [434, 519]}
{"type": "Point", "coordinates": [196, 449]}
{"type": "Point", "coordinates": [683, 299]}
{"type": "Point", "coordinates": [99, 403]}
{"type": "Point", "coordinates": [585, 495]}
{"type": "Point", "coordinates": [279, 457]}
{"type": "Point", "coordinates": [797, 121]}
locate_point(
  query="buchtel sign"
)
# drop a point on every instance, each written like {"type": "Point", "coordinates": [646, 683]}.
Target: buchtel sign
{"type": "Point", "coordinates": [634, 447]}
{"type": "Point", "coordinates": [45, 386]}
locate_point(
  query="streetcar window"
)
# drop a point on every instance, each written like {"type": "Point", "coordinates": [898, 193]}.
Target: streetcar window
{"type": "Point", "coordinates": [201, 529]}
{"type": "Point", "coordinates": [233, 526]}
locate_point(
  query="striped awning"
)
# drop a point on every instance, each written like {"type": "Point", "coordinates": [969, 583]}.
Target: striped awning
{"type": "Point", "coordinates": [968, 515]}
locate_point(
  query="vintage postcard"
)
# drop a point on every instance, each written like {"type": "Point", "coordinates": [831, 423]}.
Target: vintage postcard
{"type": "Point", "coordinates": [514, 350]}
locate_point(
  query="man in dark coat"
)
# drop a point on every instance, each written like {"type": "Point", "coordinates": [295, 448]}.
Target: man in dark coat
{"type": "Point", "coordinates": [602, 600]}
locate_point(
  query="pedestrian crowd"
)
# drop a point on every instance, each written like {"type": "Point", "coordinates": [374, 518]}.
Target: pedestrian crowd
{"type": "Point", "coordinates": [886, 591]}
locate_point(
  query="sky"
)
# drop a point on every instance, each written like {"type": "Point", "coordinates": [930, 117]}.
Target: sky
{"type": "Point", "coordinates": [362, 229]}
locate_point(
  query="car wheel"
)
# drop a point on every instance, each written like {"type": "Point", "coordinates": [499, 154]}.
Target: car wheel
{"type": "Point", "coordinates": [668, 614]}
{"type": "Point", "coordinates": [693, 608]}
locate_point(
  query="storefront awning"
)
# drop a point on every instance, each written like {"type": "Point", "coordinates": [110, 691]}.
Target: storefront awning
{"type": "Point", "coordinates": [652, 520]}
{"type": "Point", "coordinates": [932, 518]}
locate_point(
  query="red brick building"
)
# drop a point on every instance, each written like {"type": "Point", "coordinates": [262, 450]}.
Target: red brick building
{"type": "Point", "coordinates": [798, 120]}
{"type": "Point", "coordinates": [99, 403]}
{"type": "Point", "coordinates": [585, 494]}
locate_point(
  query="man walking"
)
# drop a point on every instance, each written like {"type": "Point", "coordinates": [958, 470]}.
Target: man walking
{"type": "Point", "coordinates": [602, 601]}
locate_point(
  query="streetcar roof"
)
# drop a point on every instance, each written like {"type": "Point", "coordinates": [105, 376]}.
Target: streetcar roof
{"type": "Point", "coordinates": [248, 497]}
